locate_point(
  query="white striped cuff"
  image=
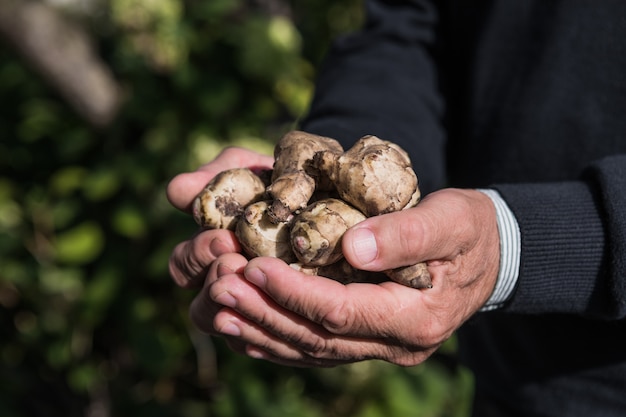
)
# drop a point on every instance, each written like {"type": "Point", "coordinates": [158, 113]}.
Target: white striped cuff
{"type": "Point", "coordinates": [510, 248]}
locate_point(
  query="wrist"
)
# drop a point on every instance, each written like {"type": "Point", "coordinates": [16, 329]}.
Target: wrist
{"type": "Point", "coordinates": [510, 248]}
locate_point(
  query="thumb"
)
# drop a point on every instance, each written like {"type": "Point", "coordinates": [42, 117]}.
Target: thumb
{"type": "Point", "coordinates": [441, 227]}
{"type": "Point", "coordinates": [385, 242]}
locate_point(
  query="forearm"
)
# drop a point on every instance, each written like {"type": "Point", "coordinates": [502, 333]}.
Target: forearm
{"type": "Point", "coordinates": [573, 243]}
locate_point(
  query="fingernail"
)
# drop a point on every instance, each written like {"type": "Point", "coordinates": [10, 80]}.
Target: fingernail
{"type": "Point", "coordinates": [255, 353]}
{"type": "Point", "coordinates": [230, 329]}
{"type": "Point", "coordinates": [218, 247]}
{"type": "Point", "coordinates": [224, 270]}
{"type": "Point", "coordinates": [226, 299]}
{"type": "Point", "coordinates": [256, 276]}
{"type": "Point", "coordinates": [364, 245]}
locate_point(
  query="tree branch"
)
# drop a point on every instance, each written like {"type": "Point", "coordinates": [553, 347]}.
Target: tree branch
{"type": "Point", "coordinates": [62, 52]}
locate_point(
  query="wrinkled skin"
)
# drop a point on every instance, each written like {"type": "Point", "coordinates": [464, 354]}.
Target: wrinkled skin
{"type": "Point", "coordinates": [266, 309]}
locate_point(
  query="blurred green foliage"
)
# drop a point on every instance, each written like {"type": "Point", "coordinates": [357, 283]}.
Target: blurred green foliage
{"type": "Point", "coordinates": [90, 322]}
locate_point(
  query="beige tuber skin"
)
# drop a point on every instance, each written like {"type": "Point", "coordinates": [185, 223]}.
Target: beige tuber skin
{"type": "Point", "coordinates": [415, 276]}
{"type": "Point", "coordinates": [260, 236]}
{"type": "Point", "coordinates": [225, 197]}
{"type": "Point", "coordinates": [316, 232]}
{"type": "Point", "coordinates": [292, 185]}
{"type": "Point", "coordinates": [376, 177]}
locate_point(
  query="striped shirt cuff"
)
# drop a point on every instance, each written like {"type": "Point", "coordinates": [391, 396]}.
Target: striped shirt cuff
{"type": "Point", "coordinates": [510, 248]}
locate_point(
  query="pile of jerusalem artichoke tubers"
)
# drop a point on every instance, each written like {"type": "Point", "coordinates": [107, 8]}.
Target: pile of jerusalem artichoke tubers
{"type": "Point", "coordinates": [310, 198]}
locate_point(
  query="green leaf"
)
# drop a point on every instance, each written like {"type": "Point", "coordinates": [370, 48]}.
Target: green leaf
{"type": "Point", "coordinates": [83, 377]}
{"type": "Point", "coordinates": [67, 179]}
{"type": "Point", "coordinates": [10, 215]}
{"type": "Point", "coordinates": [283, 34]}
{"type": "Point", "coordinates": [40, 116]}
{"type": "Point", "coordinates": [130, 222]}
{"type": "Point", "coordinates": [81, 244]}
{"type": "Point", "coordinates": [100, 291]}
{"type": "Point", "coordinates": [101, 184]}
{"type": "Point", "coordinates": [61, 281]}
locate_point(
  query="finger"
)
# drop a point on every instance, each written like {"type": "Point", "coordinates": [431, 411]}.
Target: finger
{"type": "Point", "coordinates": [276, 334]}
{"type": "Point", "coordinates": [183, 188]}
{"type": "Point", "coordinates": [203, 309]}
{"type": "Point", "coordinates": [260, 343]}
{"type": "Point", "coordinates": [248, 314]}
{"type": "Point", "coordinates": [190, 260]}
{"type": "Point", "coordinates": [442, 226]}
{"type": "Point", "coordinates": [354, 310]}
{"type": "Point", "coordinates": [227, 264]}
{"type": "Point", "coordinates": [333, 351]}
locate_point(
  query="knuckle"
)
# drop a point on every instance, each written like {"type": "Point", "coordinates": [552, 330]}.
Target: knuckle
{"type": "Point", "coordinates": [408, 244]}
{"type": "Point", "coordinates": [408, 359]}
{"type": "Point", "coordinates": [217, 288]}
{"type": "Point", "coordinates": [229, 151]}
{"type": "Point", "coordinates": [316, 348]}
{"type": "Point", "coordinates": [339, 319]}
{"type": "Point", "coordinates": [190, 260]}
{"type": "Point", "coordinates": [179, 267]}
{"type": "Point", "coordinates": [433, 335]}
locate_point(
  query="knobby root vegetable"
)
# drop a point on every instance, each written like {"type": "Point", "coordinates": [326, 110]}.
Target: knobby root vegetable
{"type": "Point", "coordinates": [316, 231]}
{"type": "Point", "coordinates": [224, 198]}
{"type": "Point", "coordinates": [260, 236]}
{"type": "Point", "coordinates": [415, 276]}
{"type": "Point", "coordinates": [292, 186]}
{"type": "Point", "coordinates": [291, 192]}
{"type": "Point", "coordinates": [375, 176]}
{"type": "Point", "coordinates": [315, 194]}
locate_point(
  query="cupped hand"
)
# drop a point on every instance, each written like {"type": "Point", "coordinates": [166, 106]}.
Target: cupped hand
{"type": "Point", "coordinates": [268, 310]}
{"type": "Point", "coordinates": [191, 259]}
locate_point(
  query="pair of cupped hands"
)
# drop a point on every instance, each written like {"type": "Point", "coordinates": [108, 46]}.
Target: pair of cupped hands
{"type": "Point", "coordinates": [267, 310]}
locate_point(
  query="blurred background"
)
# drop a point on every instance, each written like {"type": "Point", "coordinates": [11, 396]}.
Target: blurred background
{"type": "Point", "coordinates": [101, 103]}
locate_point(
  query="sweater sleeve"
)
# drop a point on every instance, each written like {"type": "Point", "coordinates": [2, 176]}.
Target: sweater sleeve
{"type": "Point", "coordinates": [573, 243]}
{"type": "Point", "coordinates": [383, 81]}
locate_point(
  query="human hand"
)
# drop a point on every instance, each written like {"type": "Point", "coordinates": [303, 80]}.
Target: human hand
{"type": "Point", "coordinates": [191, 259]}
{"type": "Point", "coordinates": [265, 309]}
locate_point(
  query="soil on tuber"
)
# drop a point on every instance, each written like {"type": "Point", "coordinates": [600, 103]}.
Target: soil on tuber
{"type": "Point", "coordinates": [374, 176]}
{"type": "Point", "coordinates": [260, 236]}
{"type": "Point", "coordinates": [225, 197]}
{"type": "Point", "coordinates": [293, 183]}
{"type": "Point", "coordinates": [316, 232]}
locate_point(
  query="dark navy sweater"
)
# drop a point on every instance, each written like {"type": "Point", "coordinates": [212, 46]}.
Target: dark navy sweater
{"type": "Point", "coordinates": [529, 98]}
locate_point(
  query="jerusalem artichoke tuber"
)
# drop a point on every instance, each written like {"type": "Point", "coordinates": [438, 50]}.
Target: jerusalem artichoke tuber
{"type": "Point", "coordinates": [259, 236]}
{"type": "Point", "coordinates": [317, 192]}
{"type": "Point", "coordinates": [292, 186]}
{"type": "Point", "coordinates": [316, 232]}
{"type": "Point", "coordinates": [374, 176]}
{"type": "Point", "coordinates": [225, 197]}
